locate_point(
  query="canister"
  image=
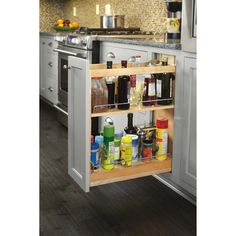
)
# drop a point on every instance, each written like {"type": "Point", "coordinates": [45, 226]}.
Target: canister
{"type": "Point", "coordinates": [94, 155]}
{"type": "Point", "coordinates": [126, 150]}
{"type": "Point", "coordinates": [162, 138]}
{"type": "Point", "coordinates": [134, 146]}
{"type": "Point", "coordinates": [147, 149]}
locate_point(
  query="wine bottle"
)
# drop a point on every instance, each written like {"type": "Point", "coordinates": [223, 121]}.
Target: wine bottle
{"type": "Point", "coordinates": [130, 129]}
{"type": "Point", "coordinates": [123, 89]}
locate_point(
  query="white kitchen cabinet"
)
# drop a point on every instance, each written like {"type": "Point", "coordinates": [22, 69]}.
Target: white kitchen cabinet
{"type": "Point", "coordinates": [48, 69]}
{"type": "Point", "coordinates": [188, 161]}
{"type": "Point", "coordinates": [79, 126]}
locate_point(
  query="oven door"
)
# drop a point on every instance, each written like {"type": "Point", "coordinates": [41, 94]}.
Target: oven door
{"type": "Point", "coordinates": [63, 79]}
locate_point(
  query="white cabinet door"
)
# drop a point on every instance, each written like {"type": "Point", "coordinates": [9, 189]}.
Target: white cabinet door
{"type": "Point", "coordinates": [79, 121]}
{"type": "Point", "coordinates": [188, 161]}
{"type": "Point", "coordinates": [43, 56]}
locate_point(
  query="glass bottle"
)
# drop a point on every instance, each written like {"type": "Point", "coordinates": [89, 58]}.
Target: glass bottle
{"type": "Point", "coordinates": [130, 129]}
{"type": "Point", "coordinates": [164, 86]}
{"type": "Point", "coordinates": [123, 89]}
{"type": "Point", "coordinates": [110, 82]}
{"type": "Point", "coordinates": [149, 91]}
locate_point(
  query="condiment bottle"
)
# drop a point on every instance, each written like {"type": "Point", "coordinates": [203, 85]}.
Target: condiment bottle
{"type": "Point", "coordinates": [130, 129]}
{"type": "Point", "coordinates": [162, 138]}
{"type": "Point", "coordinates": [108, 147]}
{"type": "Point", "coordinates": [126, 150]}
{"type": "Point", "coordinates": [123, 89]}
{"type": "Point", "coordinates": [110, 82]}
{"type": "Point", "coordinates": [164, 86]}
{"type": "Point", "coordinates": [149, 91]}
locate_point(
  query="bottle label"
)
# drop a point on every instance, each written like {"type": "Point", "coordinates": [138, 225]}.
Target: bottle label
{"type": "Point", "coordinates": [158, 86]}
{"type": "Point", "coordinates": [151, 89]}
{"type": "Point", "coordinates": [133, 81]}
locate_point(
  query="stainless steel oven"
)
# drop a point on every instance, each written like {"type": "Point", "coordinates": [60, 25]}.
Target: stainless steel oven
{"type": "Point", "coordinates": [77, 46]}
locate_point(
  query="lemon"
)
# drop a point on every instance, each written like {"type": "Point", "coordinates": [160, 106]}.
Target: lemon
{"type": "Point", "coordinates": [60, 21]}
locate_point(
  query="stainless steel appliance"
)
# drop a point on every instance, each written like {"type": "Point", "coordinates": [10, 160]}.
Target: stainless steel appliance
{"type": "Point", "coordinates": [78, 46]}
{"type": "Point", "coordinates": [115, 21]}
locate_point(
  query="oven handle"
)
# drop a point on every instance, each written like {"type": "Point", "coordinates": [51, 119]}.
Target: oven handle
{"type": "Point", "coordinates": [58, 108]}
{"type": "Point", "coordinates": [66, 52]}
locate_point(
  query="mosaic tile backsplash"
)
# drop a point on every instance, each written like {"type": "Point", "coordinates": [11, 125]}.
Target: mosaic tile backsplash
{"type": "Point", "coordinates": [149, 15]}
{"type": "Point", "coordinates": [50, 12]}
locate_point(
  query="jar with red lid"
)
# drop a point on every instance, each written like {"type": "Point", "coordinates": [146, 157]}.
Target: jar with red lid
{"type": "Point", "coordinates": [149, 90]}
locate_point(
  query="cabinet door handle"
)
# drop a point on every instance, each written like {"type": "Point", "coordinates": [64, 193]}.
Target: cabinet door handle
{"type": "Point", "coordinates": [50, 44]}
{"type": "Point", "coordinates": [50, 89]}
{"type": "Point", "coordinates": [50, 64]}
{"type": "Point", "coordinates": [111, 55]}
{"type": "Point", "coordinates": [43, 43]}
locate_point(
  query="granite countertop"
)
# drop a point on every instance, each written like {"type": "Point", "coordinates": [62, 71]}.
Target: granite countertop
{"type": "Point", "coordinates": [134, 40]}
{"type": "Point", "coordinates": [152, 42]}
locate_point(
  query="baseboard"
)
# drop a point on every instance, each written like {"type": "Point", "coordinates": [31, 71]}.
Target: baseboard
{"type": "Point", "coordinates": [178, 190]}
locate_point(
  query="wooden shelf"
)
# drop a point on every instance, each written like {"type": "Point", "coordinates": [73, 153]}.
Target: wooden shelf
{"type": "Point", "coordinates": [131, 71]}
{"type": "Point", "coordinates": [132, 110]}
{"type": "Point", "coordinates": [121, 173]}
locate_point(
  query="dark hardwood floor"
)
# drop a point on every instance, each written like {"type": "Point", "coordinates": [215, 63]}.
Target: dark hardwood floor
{"type": "Point", "coordinates": [142, 206]}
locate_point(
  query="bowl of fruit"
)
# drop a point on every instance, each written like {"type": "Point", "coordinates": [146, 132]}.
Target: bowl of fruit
{"type": "Point", "coordinates": [65, 25]}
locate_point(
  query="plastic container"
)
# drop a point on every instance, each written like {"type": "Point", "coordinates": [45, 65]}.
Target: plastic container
{"type": "Point", "coordinates": [99, 95]}
{"type": "Point", "coordinates": [162, 138]}
{"type": "Point", "coordinates": [109, 147]}
{"type": "Point", "coordinates": [126, 150]}
{"type": "Point", "coordinates": [134, 146]}
{"type": "Point", "coordinates": [94, 155]}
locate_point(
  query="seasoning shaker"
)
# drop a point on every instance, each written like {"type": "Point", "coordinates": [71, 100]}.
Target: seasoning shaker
{"type": "Point", "coordinates": [141, 135]}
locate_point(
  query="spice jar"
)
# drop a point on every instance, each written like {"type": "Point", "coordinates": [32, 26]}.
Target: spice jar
{"type": "Point", "coordinates": [149, 91]}
{"type": "Point", "coordinates": [147, 149]}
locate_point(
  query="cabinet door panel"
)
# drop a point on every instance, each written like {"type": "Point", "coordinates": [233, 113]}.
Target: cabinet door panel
{"type": "Point", "coordinates": [52, 63]}
{"type": "Point", "coordinates": [188, 161]}
{"type": "Point", "coordinates": [79, 121]}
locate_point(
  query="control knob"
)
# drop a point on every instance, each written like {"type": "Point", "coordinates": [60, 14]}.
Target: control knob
{"type": "Point", "coordinates": [76, 41]}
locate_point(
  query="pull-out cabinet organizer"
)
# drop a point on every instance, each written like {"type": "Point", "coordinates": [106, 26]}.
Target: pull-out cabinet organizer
{"type": "Point", "coordinates": [79, 125]}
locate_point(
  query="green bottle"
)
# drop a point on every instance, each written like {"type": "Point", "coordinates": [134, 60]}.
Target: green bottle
{"type": "Point", "coordinates": [108, 133]}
